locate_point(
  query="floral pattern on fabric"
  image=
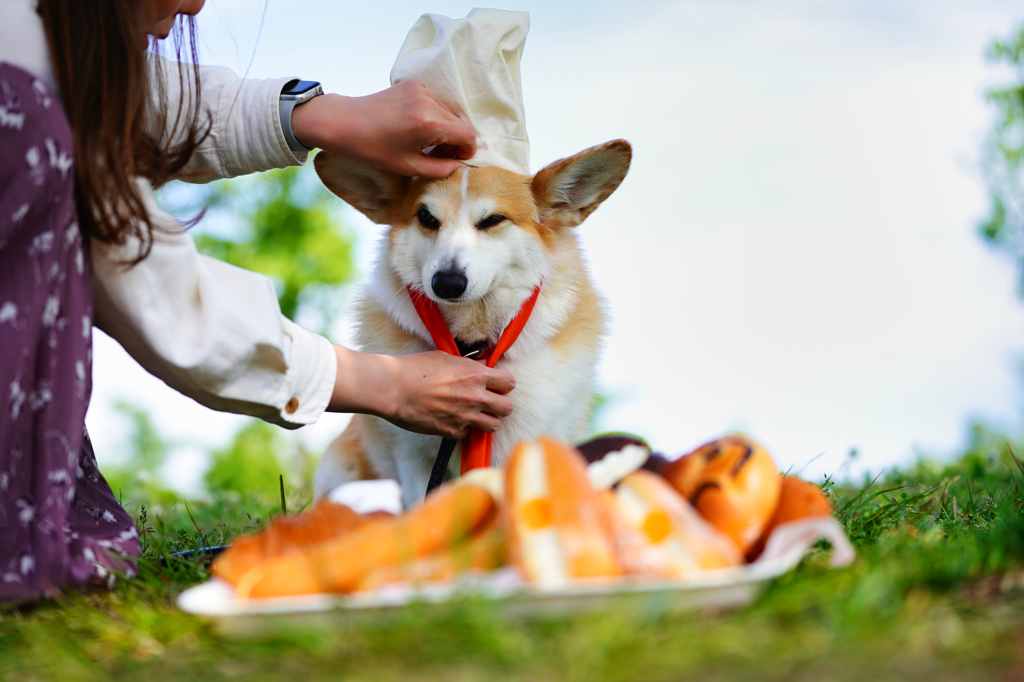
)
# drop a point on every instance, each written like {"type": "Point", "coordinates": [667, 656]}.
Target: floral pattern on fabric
{"type": "Point", "coordinates": [60, 525]}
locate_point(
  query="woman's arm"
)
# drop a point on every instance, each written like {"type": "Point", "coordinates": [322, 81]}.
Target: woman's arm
{"type": "Point", "coordinates": [388, 130]}
{"type": "Point", "coordinates": [209, 329]}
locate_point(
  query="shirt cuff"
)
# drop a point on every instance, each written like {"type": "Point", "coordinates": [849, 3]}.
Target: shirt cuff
{"type": "Point", "coordinates": [309, 382]}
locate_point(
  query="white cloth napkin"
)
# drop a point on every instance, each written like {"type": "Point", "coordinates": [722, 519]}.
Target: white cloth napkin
{"type": "Point", "coordinates": [364, 497]}
{"type": "Point", "coordinates": [471, 65]}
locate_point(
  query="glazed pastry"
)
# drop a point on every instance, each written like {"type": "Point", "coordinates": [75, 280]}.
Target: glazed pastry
{"type": "Point", "coordinates": [734, 485]}
{"type": "Point", "coordinates": [798, 499]}
{"type": "Point", "coordinates": [660, 535]}
{"type": "Point", "coordinates": [284, 535]}
{"type": "Point", "coordinates": [446, 518]}
{"type": "Point", "coordinates": [557, 523]}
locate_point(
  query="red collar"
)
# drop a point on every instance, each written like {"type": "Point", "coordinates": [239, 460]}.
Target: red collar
{"type": "Point", "coordinates": [476, 447]}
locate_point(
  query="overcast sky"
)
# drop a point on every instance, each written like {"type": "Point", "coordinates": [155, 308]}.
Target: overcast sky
{"type": "Point", "coordinates": [794, 252]}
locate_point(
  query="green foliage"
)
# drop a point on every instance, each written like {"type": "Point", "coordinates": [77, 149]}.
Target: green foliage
{"type": "Point", "coordinates": [249, 465]}
{"type": "Point", "coordinates": [149, 449]}
{"type": "Point", "coordinates": [283, 224]}
{"type": "Point", "coordinates": [983, 486]}
{"type": "Point", "coordinates": [599, 404]}
{"type": "Point", "coordinates": [248, 468]}
{"type": "Point", "coordinates": [1004, 227]}
{"type": "Point", "coordinates": [139, 476]}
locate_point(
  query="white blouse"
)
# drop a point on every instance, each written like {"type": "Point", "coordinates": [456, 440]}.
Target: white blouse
{"type": "Point", "coordinates": [208, 329]}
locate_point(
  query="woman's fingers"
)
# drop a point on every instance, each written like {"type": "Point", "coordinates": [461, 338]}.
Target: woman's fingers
{"type": "Point", "coordinates": [498, 405]}
{"type": "Point", "coordinates": [431, 167]}
{"type": "Point", "coordinates": [457, 142]}
{"type": "Point", "coordinates": [389, 130]}
{"type": "Point", "coordinates": [501, 381]}
{"type": "Point", "coordinates": [451, 139]}
{"type": "Point", "coordinates": [437, 393]}
{"type": "Point", "coordinates": [486, 422]}
{"type": "Point", "coordinates": [442, 125]}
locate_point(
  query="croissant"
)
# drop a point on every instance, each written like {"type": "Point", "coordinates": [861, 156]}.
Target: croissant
{"type": "Point", "coordinates": [284, 535]}
{"type": "Point", "coordinates": [445, 519]}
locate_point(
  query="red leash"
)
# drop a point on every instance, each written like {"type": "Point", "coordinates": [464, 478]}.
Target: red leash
{"type": "Point", "coordinates": [476, 447]}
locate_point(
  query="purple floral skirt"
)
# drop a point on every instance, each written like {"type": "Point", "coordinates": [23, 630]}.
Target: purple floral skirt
{"type": "Point", "coordinates": [60, 525]}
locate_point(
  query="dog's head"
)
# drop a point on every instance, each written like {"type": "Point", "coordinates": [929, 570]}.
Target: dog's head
{"type": "Point", "coordinates": [480, 229]}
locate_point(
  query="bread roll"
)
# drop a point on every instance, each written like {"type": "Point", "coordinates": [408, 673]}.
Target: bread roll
{"type": "Point", "coordinates": [557, 523]}
{"type": "Point", "coordinates": [661, 535]}
{"type": "Point", "coordinates": [446, 518]}
{"type": "Point", "coordinates": [798, 499]}
{"type": "Point", "coordinates": [733, 483]}
{"type": "Point", "coordinates": [285, 534]}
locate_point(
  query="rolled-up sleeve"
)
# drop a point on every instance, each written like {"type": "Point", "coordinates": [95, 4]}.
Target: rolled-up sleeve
{"type": "Point", "coordinates": [243, 116]}
{"type": "Point", "coordinates": [209, 329]}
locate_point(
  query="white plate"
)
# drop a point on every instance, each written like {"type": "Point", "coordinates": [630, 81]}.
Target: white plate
{"type": "Point", "coordinates": [724, 588]}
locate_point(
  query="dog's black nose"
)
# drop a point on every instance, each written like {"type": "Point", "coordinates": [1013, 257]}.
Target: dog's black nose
{"type": "Point", "coordinates": [449, 283]}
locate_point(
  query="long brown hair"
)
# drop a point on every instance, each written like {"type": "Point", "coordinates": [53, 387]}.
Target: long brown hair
{"type": "Point", "coordinates": [113, 95]}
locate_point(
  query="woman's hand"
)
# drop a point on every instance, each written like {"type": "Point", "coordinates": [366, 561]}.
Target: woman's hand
{"type": "Point", "coordinates": [388, 130]}
{"type": "Point", "coordinates": [433, 393]}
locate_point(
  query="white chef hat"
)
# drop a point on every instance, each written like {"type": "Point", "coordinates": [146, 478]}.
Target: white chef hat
{"type": "Point", "coordinates": [471, 65]}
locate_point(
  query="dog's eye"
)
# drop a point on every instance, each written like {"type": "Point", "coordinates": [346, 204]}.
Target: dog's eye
{"type": "Point", "coordinates": [427, 220]}
{"type": "Point", "coordinates": [491, 221]}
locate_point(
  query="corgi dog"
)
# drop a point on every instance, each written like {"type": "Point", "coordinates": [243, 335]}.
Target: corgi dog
{"type": "Point", "coordinates": [478, 243]}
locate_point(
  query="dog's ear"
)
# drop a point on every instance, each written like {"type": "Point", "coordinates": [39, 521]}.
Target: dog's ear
{"type": "Point", "coordinates": [569, 190]}
{"type": "Point", "coordinates": [371, 191]}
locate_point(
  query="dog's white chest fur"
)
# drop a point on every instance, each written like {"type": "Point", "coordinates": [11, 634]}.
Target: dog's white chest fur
{"type": "Point", "coordinates": [554, 361]}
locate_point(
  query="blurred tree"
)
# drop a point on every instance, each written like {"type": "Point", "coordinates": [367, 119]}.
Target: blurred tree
{"type": "Point", "coordinates": [148, 448]}
{"type": "Point", "coordinates": [285, 225]}
{"type": "Point", "coordinates": [138, 477]}
{"type": "Point", "coordinates": [251, 463]}
{"type": "Point", "coordinates": [282, 224]}
{"type": "Point", "coordinates": [1004, 170]}
{"type": "Point", "coordinates": [599, 403]}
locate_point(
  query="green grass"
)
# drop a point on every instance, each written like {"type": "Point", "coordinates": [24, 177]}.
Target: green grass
{"type": "Point", "coordinates": [937, 593]}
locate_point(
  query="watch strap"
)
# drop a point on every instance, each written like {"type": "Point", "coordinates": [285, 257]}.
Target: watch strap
{"type": "Point", "coordinates": [285, 106]}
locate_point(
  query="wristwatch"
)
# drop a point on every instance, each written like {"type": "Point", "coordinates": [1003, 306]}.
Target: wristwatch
{"type": "Point", "coordinates": [293, 94]}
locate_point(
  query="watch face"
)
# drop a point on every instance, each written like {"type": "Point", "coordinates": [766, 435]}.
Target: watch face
{"type": "Point", "coordinates": [299, 87]}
